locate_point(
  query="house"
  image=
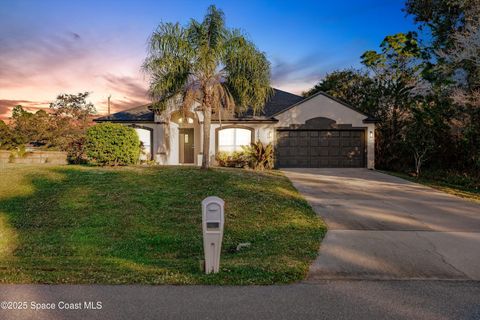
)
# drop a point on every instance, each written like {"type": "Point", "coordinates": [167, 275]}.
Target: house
{"type": "Point", "coordinates": [318, 131]}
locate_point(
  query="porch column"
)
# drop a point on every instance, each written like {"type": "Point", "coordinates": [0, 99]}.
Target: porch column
{"type": "Point", "coordinates": [200, 155]}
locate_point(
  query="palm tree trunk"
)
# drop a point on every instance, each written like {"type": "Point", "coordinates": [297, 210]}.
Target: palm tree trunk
{"type": "Point", "coordinates": [207, 120]}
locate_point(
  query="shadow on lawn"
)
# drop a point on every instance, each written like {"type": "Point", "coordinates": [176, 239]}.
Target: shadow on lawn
{"type": "Point", "coordinates": [95, 223]}
{"type": "Point", "coordinates": [143, 225]}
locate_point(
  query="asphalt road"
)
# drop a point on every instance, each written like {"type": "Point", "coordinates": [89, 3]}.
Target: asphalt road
{"type": "Point", "coordinates": [327, 299]}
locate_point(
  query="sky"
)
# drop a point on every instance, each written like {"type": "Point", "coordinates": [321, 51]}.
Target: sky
{"type": "Point", "coordinates": [51, 47]}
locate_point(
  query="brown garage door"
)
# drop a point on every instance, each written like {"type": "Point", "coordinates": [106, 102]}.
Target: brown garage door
{"type": "Point", "coordinates": [320, 148]}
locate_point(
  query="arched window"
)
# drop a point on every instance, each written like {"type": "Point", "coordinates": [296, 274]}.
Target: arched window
{"type": "Point", "coordinates": [232, 139]}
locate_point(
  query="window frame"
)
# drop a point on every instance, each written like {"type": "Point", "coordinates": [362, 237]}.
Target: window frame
{"type": "Point", "coordinates": [217, 132]}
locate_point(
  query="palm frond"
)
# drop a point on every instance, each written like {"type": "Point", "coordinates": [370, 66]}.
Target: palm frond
{"type": "Point", "coordinates": [248, 73]}
{"type": "Point", "coordinates": [168, 63]}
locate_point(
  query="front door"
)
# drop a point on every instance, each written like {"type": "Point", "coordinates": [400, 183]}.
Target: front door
{"type": "Point", "coordinates": [186, 145]}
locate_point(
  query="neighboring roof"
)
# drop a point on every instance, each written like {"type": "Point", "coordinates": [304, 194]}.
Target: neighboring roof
{"type": "Point", "coordinates": [137, 114]}
{"type": "Point", "coordinates": [368, 119]}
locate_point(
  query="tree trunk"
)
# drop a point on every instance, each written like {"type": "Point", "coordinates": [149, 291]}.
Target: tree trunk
{"type": "Point", "coordinates": [207, 120]}
{"type": "Point", "coordinates": [418, 164]}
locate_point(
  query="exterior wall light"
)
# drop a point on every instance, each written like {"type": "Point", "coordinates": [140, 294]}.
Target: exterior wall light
{"type": "Point", "coordinates": [371, 134]}
{"type": "Point", "coordinates": [269, 135]}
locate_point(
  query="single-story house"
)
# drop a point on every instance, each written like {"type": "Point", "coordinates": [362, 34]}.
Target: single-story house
{"type": "Point", "coordinates": [318, 131]}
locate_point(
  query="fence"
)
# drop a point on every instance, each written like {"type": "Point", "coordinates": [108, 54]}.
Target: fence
{"type": "Point", "coordinates": [34, 157]}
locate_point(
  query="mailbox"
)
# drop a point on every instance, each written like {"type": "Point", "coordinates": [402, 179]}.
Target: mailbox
{"type": "Point", "coordinates": [212, 225]}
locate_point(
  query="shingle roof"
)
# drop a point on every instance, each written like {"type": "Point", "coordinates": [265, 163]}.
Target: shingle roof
{"type": "Point", "coordinates": [137, 114]}
{"type": "Point", "coordinates": [279, 101]}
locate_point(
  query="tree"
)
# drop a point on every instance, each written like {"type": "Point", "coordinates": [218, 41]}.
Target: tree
{"type": "Point", "coordinates": [71, 118]}
{"type": "Point", "coordinates": [442, 19]}
{"type": "Point", "coordinates": [209, 63]}
{"type": "Point", "coordinates": [463, 58]}
{"type": "Point", "coordinates": [74, 106]}
{"type": "Point", "coordinates": [419, 135]}
{"type": "Point", "coordinates": [6, 136]}
{"type": "Point", "coordinates": [21, 125]}
{"type": "Point", "coordinates": [396, 72]}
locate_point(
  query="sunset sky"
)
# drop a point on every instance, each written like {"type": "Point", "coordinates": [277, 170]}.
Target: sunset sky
{"type": "Point", "coordinates": [52, 47]}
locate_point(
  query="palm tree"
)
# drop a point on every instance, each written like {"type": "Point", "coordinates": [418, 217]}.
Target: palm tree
{"type": "Point", "coordinates": [208, 63]}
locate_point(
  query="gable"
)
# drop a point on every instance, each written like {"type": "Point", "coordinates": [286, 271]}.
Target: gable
{"type": "Point", "coordinates": [321, 105]}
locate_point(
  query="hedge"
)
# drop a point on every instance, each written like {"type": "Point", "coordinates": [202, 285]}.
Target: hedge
{"type": "Point", "coordinates": [112, 144]}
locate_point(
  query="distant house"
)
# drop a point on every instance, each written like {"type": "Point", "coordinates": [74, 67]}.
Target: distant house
{"type": "Point", "coordinates": [318, 131]}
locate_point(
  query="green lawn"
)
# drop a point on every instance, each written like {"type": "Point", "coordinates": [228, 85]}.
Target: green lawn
{"type": "Point", "coordinates": [456, 184]}
{"type": "Point", "coordinates": [78, 224]}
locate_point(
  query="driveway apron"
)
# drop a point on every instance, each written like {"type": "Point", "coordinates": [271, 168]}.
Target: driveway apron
{"type": "Point", "coordinates": [384, 227]}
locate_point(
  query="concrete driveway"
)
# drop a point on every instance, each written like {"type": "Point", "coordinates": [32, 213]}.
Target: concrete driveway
{"type": "Point", "coordinates": [383, 227]}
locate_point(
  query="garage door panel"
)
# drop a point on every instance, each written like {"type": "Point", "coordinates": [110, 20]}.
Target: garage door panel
{"type": "Point", "coordinates": [334, 142]}
{"type": "Point", "coordinates": [320, 148]}
{"type": "Point", "coordinates": [300, 152]}
{"type": "Point", "coordinates": [345, 142]}
{"type": "Point", "coordinates": [303, 142]}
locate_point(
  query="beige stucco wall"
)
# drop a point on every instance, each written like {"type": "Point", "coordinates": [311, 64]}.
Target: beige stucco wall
{"type": "Point", "coordinates": [165, 136]}
{"type": "Point", "coordinates": [322, 106]}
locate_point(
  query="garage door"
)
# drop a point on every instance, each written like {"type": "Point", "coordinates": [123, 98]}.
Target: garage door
{"type": "Point", "coordinates": [320, 148]}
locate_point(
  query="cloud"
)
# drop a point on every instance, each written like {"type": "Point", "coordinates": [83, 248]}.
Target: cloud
{"type": "Point", "coordinates": [6, 106]}
{"type": "Point", "coordinates": [130, 92]}
{"type": "Point", "coordinates": [301, 74]}
{"type": "Point", "coordinates": [29, 59]}
{"type": "Point", "coordinates": [298, 76]}
{"type": "Point", "coordinates": [76, 36]}
{"type": "Point", "coordinates": [283, 70]}
{"type": "Point", "coordinates": [37, 66]}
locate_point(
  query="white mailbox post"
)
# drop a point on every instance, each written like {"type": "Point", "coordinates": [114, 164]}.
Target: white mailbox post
{"type": "Point", "coordinates": [212, 223]}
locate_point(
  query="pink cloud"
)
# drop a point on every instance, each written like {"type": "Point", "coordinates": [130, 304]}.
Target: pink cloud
{"type": "Point", "coordinates": [36, 68]}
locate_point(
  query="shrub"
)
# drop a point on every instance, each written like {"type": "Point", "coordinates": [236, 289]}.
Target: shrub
{"type": "Point", "coordinates": [259, 156]}
{"type": "Point", "coordinates": [76, 153]}
{"type": "Point", "coordinates": [231, 159]}
{"type": "Point", "coordinates": [18, 152]}
{"type": "Point", "coordinates": [112, 144]}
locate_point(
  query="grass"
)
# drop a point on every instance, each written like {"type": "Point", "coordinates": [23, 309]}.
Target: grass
{"type": "Point", "coordinates": [453, 183]}
{"type": "Point", "coordinates": [78, 224]}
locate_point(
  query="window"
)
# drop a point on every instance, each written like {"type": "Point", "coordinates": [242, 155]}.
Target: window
{"type": "Point", "coordinates": [232, 139]}
{"type": "Point", "coordinates": [144, 135]}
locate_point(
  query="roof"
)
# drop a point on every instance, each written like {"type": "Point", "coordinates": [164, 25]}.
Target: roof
{"type": "Point", "coordinates": [369, 118]}
{"type": "Point", "coordinates": [137, 114]}
{"type": "Point", "coordinates": [279, 102]}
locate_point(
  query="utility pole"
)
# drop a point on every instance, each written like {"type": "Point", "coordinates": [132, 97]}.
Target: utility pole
{"type": "Point", "coordinates": [108, 101]}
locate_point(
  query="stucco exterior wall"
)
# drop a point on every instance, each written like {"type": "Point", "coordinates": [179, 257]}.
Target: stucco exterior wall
{"type": "Point", "coordinates": [165, 136]}
{"type": "Point", "coordinates": [322, 106]}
